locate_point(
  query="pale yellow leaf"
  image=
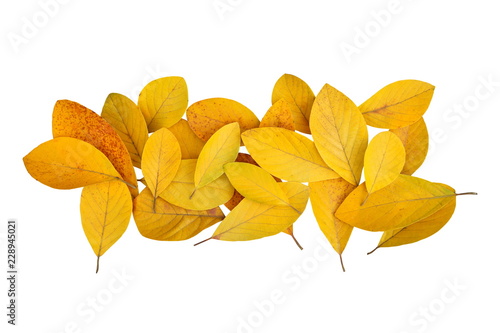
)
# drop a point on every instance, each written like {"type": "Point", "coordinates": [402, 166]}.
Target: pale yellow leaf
{"type": "Point", "coordinates": [127, 120]}
{"type": "Point", "coordinates": [405, 201]}
{"type": "Point", "coordinates": [221, 148]}
{"type": "Point", "coordinates": [286, 154]}
{"type": "Point", "coordinates": [398, 104]}
{"type": "Point", "coordinates": [255, 183]}
{"type": "Point", "coordinates": [209, 196]}
{"type": "Point", "coordinates": [70, 119]}
{"type": "Point", "coordinates": [168, 222]}
{"type": "Point", "coordinates": [300, 98]}
{"type": "Point", "coordinates": [339, 132]}
{"type": "Point", "coordinates": [163, 102]}
{"type": "Point", "coordinates": [415, 139]}
{"type": "Point", "coordinates": [161, 160]}
{"type": "Point", "coordinates": [252, 220]}
{"type": "Point", "coordinates": [420, 229]}
{"type": "Point", "coordinates": [279, 115]}
{"type": "Point", "coordinates": [384, 160]}
{"type": "Point", "coordinates": [105, 210]}
{"type": "Point", "coordinates": [326, 197]}
{"type": "Point", "coordinates": [66, 163]}
{"type": "Point", "coordinates": [190, 144]}
{"type": "Point", "coordinates": [207, 116]}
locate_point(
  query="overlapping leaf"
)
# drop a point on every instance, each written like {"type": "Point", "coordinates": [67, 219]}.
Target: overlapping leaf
{"type": "Point", "coordinates": [339, 132]}
{"type": "Point", "coordinates": [415, 139]}
{"type": "Point", "coordinates": [160, 220]}
{"type": "Point", "coordinates": [163, 102]}
{"type": "Point", "coordinates": [70, 119]}
{"type": "Point", "coordinates": [286, 154]}
{"type": "Point", "coordinates": [279, 115]}
{"type": "Point", "coordinates": [127, 120]}
{"type": "Point", "coordinates": [398, 104]}
{"type": "Point", "coordinates": [299, 96]}
{"type": "Point", "coordinates": [105, 210]}
{"type": "Point", "coordinates": [190, 144]}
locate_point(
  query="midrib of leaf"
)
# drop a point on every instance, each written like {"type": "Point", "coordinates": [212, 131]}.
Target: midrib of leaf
{"type": "Point", "coordinates": [379, 167]}
{"type": "Point", "coordinates": [128, 134]}
{"type": "Point", "coordinates": [295, 101]}
{"type": "Point", "coordinates": [104, 223]}
{"type": "Point", "coordinates": [274, 195]}
{"type": "Point", "coordinates": [391, 105]}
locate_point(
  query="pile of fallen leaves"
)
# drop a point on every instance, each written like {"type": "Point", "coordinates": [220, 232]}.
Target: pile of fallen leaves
{"type": "Point", "coordinates": [192, 167]}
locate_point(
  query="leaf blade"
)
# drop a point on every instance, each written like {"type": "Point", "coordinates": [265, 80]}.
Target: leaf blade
{"type": "Point", "coordinates": [415, 139]}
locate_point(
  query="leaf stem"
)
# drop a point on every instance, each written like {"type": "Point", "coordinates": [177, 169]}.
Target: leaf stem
{"type": "Point", "coordinates": [342, 262]}
{"type": "Point", "coordinates": [466, 193]}
{"type": "Point", "coordinates": [372, 251]}
{"type": "Point", "coordinates": [97, 268]}
{"type": "Point", "coordinates": [203, 241]}
{"type": "Point", "coordinates": [296, 242]}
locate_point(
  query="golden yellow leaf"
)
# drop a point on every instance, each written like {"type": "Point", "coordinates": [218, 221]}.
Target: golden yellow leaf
{"type": "Point", "coordinates": [207, 116]}
{"type": "Point", "coordinates": [286, 154]}
{"type": "Point", "coordinates": [398, 104]}
{"type": "Point", "coordinates": [255, 183]}
{"type": "Point", "coordinates": [161, 160]}
{"type": "Point", "coordinates": [163, 102]}
{"type": "Point", "coordinates": [415, 139]}
{"type": "Point", "coordinates": [279, 115]}
{"type": "Point", "coordinates": [405, 201]}
{"type": "Point", "coordinates": [237, 197]}
{"type": "Point", "coordinates": [221, 148]}
{"type": "Point", "coordinates": [252, 220]}
{"type": "Point", "coordinates": [190, 144]}
{"type": "Point", "coordinates": [66, 163]}
{"type": "Point", "coordinates": [300, 97]}
{"type": "Point", "coordinates": [420, 229]}
{"type": "Point", "coordinates": [71, 119]}
{"type": "Point", "coordinates": [326, 197]}
{"type": "Point", "coordinates": [384, 160]}
{"type": "Point", "coordinates": [339, 132]}
{"type": "Point", "coordinates": [105, 210]}
{"type": "Point", "coordinates": [209, 196]}
{"type": "Point", "coordinates": [167, 222]}
{"type": "Point", "coordinates": [127, 120]}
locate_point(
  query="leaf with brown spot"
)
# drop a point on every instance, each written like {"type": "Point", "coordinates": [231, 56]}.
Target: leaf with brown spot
{"type": "Point", "coordinates": [74, 120]}
{"type": "Point", "coordinates": [279, 115]}
{"type": "Point", "coordinates": [207, 116]}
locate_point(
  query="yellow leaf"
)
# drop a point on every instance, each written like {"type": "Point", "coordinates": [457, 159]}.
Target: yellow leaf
{"type": "Point", "coordinates": [300, 97]}
{"type": "Point", "coordinates": [167, 222]}
{"type": "Point", "coordinates": [252, 220]}
{"type": "Point", "coordinates": [415, 139]}
{"type": "Point", "coordinates": [163, 102]}
{"type": "Point", "coordinates": [398, 104]}
{"type": "Point", "coordinates": [66, 163]}
{"type": "Point", "coordinates": [237, 197]}
{"type": "Point", "coordinates": [207, 116]}
{"type": "Point", "coordinates": [420, 229]}
{"type": "Point", "coordinates": [326, 197]}
{"type": "Point", "coordinates": [211, 195]}
{"type": "Point", "coordinates": [71, 119]}
{"type": "Point", "coordinates": [405, 201]}
{"type": "Point", "coordinates": [279, 115]}
{"type": "Point", "coordinates": [161, 160]}
{"type": "Point", "coordinates": [127, 120]}
{"type": "Point", "coordinates": [339, 132]}
{"type": "Point", "coordinates": [190, 144]}
{"type": "Point", "coordinates": [286, 154]}
{"type": "Point", "coordinates": [105, 210]}
{"type": "Point", "coordinates": [221, 148]}
{"type": "Point", "coordinates": [384, 160]}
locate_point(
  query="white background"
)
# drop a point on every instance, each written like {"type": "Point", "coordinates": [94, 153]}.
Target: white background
{"type": "Point", "coordinates": [87, 49]}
